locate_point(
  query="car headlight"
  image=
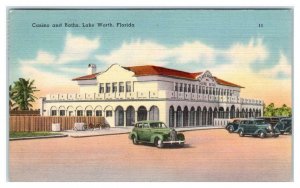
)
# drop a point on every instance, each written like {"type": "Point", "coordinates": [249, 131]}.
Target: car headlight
{"type": "Point", "coordinates": [270, 127]}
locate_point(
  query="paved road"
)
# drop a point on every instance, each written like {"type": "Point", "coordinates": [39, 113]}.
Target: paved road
{"type": "Point", "coordinates": [209, 155]}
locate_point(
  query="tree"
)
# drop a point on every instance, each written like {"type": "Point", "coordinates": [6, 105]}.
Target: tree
{"type": "Point", "coordinates": [269, 110]}
{"type": "Point", "coordinates": [23, 93]}
{"type": "Point", "coordinates": [12, 104]}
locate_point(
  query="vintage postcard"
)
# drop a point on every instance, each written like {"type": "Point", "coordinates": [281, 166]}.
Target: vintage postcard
{"type": "Point", "coordinates": [150, 95]}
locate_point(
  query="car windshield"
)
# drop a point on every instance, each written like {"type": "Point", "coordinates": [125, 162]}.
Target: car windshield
{"type": "Point", "coordinates": [260, 122]}
{"type": "Point", "coordinates": [158, 125]}
{"type": "Point", "coordinates": [236, 121]}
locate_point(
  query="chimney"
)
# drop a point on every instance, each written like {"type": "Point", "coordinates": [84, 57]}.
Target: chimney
{"type": "Point", "coordinates": [91, 69]}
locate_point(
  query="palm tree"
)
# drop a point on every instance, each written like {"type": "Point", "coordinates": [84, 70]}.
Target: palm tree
{"type": "Point", "coordinates": [12, 104]}
{"type": "Point", "coordinates": [24, 93]}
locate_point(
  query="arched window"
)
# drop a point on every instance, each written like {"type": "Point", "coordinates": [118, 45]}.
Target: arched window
{"type": "Point", "coordinates": [130, 116]}
{"type": "Point", "coordinates": [119, 116]}
{"type": "Point", "coordinates": [142, 113]}
{"type": "Point", "coordinates": [171, 116]}
{"type": "Point", "coordinates": [154, 113]}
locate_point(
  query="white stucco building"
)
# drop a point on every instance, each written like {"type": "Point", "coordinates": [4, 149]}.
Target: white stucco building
{"type": "Point", "coordinates": [124, 95]}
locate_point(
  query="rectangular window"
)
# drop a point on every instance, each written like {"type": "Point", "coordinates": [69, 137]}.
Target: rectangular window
{"type": "Point", "coordinates": [62, 113]}
{"type": "Point", "coordinates": [98, 112]}
{"type": "Point", "coordinates": [121, 87]}
{"type": "Point", "coordinates": [108, 113]}
{"type": "Point", "coordinates": [114, 87]}
{"type": "Point", "coordinates": [89, 113]}
{"type": "Point", "coordinates": [189, 87]}
{"type": "Point", "coordinates": [200, 90]}
{"type": "Point", "coordinates": [101, 88]}
{"type": "Point", "coordinates": [180, 89]}
{"type": "Point", "coordinates": [176, 86]}
{"type": "Point", "coordinates": [185, 88]}
{"type": "Point", "coordinates": [206, 90]}
{"type": "Point", "coordinates": [128, 86]}
{"type": "Point", "coordinates": [79, 112]}
{"type": "Point", "coordinates": [107, 88]}
{"type": "Point", "coordinates": [193, 88]}
{"type": "Point", "coordinates": [53, 112]}
{"type": "Point", "coordinates": [210, 90]}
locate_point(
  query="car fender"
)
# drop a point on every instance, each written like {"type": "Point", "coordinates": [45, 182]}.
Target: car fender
{"type": "Point", "coordinates": [155, 136]}
{"type": "Point", "coordinates": [180, 136]}
{"type": "Point", "coordinates": [239, 129]}
{"type": "Point", "coordinates": [132, 133]}
{"type": "Point", "coordinates": [258, 130]}
{"type": "Point", "coordinates": [288, 129]}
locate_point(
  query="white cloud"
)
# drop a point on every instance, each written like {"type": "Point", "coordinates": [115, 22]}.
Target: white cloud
{"type": "Point", "coordinates": [283, 68]}
{"type": "Point", "coordinates": [42, 58]}
{"type": "Point", "coordinates": [50, 71]}
{"type": "Point", "coordinates": [77, 48]}
{"type": "Point", "coordinates": [45, 79]}
{"type": "Point", "coordinates": [147, 52]}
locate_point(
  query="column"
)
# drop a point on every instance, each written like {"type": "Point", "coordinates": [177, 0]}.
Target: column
{"type": "Point", "coordinates": [135, 117]}
{"type": "Point", "coordinates": [175, 118]}
{"type": "Point", "coordinates": [124, 118]}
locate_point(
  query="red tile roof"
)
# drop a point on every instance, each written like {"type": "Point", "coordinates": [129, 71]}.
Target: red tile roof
{"type": "Point", "coordinates": [87, 77]}
{"type": "Point", "coordinates": [162, 71]}
{"type": "Point", "coordinates": [147, 70]}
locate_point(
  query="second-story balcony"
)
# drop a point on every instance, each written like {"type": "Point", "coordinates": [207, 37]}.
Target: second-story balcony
{"type": "Point", "coordinates": [150, 95]}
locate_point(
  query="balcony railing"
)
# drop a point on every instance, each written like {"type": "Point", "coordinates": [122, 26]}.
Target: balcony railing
{"type": "Point", "coordinates": [162, 94]}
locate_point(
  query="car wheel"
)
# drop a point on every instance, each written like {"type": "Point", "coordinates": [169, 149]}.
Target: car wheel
{"type": "Point", "coordinates": [276, 135]}
{"type": "Point", "coordinates": [158, 143]}
{"type": "Point", "coordinates": [134, 140]}
{"type": "Point", "coordinates": [261, 134]}
{"type": "Point", "coordinates": [231, 129]}
{"type": "Point", "coordinates": [241, 133]}
{"type": "Point", "coordinates": [281, 132]}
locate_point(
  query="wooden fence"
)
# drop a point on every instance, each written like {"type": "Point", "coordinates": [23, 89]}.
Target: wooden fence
{"type": "Point", "coordinates": [44, 123]}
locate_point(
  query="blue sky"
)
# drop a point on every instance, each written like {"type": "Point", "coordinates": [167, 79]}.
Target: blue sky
{"type": "Point", "coordinates": [222, 41]}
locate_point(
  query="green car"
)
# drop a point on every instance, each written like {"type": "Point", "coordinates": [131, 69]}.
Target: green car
{"type": "Point", "coordinates": [257, 127]}
{"type": "Point", "coordinates": [155, 132]}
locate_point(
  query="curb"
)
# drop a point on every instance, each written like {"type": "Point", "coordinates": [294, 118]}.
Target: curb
{"type": "Point", "coordinates": [37, 137]}
{"type": "Point", "coordinates": [109, 134]}
{"type": "Point", "coordinates": [208, 128]}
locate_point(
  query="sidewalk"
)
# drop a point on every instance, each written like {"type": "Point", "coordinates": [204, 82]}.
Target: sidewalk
{"type": "Point", "coordinates": [122, 130]}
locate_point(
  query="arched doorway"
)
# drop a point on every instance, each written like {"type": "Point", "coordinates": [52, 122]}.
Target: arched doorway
{"type": "Point", "coordinates": [221, 112]}
{"type": "Point", "coordinates": [171, 116]}
{"type": "Point", "coordinates": [232, 111]}
{"type": "Point", "coordinates": [154, 113]}
{"type": "Point", "coordinates": [237, 113]}
{"type": "Point", "coordinates": [185, 117]}
{"type": "Point", "coordinates": [246, 113]}
{"type": "Point", "coordinates": [227, 113]}
{"type": "Point", "coordinates": [250, 113]}
{"type": "Point", "coordinates": [130, 116]}
{"type": "Point", "coordinates": [179, 117]}
{"type": "Point", "coordinates": [192, 116]}
{"type": "Point", "coordinates": [142, 113]}
{"type": "Point", "coordinates": [243, 114]}
{"type": "Point", "coordinates": [204, 114]}
{"type": "Point", "coordinates": [119, 116]}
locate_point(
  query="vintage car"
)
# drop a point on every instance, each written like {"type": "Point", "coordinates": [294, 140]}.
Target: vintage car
{"type": "Point", "coordinates": [257, 127]}
{"type": "Point", "coordinates": [233, 125]}
{"type": "Point", "coordinates": [284, 125]}
{"type": "Point", "coordinates": [271, 120]}
{"type": "Point", "coordinates": [155, 132]}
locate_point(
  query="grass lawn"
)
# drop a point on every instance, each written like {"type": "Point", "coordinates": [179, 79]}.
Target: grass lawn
{"type": "Point", "coordinates": [30, 134]}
